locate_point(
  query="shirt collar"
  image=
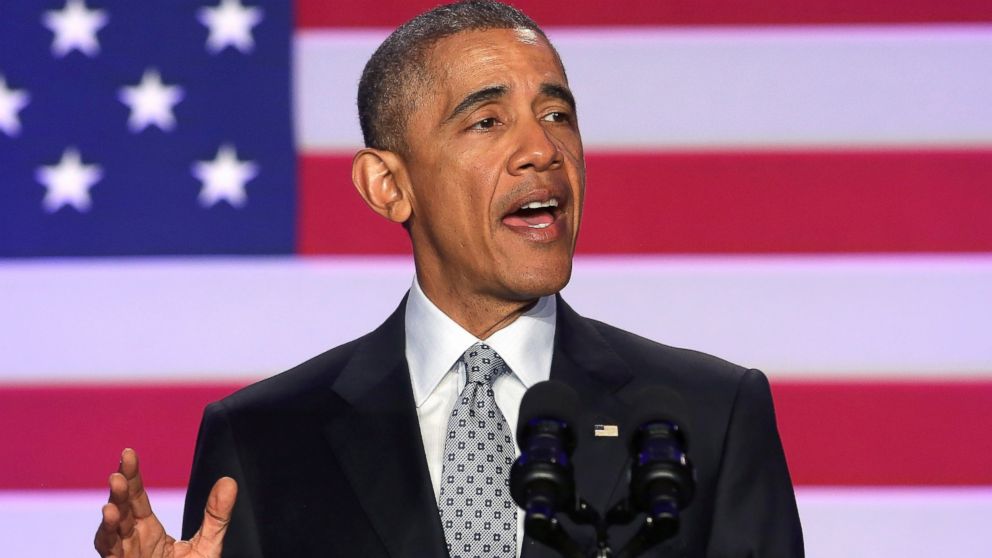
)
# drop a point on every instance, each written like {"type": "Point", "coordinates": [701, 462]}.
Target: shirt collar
{"type": "Point", "coordinates": [434, 342]}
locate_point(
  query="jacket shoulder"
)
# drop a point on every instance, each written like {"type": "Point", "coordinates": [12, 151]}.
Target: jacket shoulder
{"type": "Point", "coordinates": [295, 386]}
{"type": "Point", "coordinates": [309, 383]}
{"type": "Point", "coordinates": [646, 356]}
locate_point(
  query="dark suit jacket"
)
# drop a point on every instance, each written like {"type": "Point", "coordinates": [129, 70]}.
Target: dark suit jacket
{"type": "Point", "coordinates": [329, 459]}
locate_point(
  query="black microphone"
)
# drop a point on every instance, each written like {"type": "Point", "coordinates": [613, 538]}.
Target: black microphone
{"type": "Point", "coordinates": [542, 479]}
{"type": "Point", "coordinates": [662, 478]}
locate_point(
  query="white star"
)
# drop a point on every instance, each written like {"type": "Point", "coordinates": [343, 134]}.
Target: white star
{"type": "Point", "coordinates": [75, 28]}
{"type": "Point", "coordinates": [11, 102]}
{"type": "Point", "coordinates": [151, 102]}
{"type": "Point", "coordinates": [224, 178]}
{"type": "Point", "coordinates": [230, 24]}
{"type": "Point", "coordinates": [68, 182]}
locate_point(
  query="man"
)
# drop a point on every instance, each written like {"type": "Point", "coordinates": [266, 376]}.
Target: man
{"type": "Point", "coordinates": [473, 145]}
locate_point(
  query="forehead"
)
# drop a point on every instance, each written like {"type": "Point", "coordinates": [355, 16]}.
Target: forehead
{"type": "Point", "coordinates": [471, 59]}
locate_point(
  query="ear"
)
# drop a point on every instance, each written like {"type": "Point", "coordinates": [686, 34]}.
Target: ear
{"type": "Point", "coordinates": [380, 178]}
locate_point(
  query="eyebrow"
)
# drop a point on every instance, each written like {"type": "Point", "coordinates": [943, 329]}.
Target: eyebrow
{"type": "Point", "coordinates": [476, 98]}
{"type": "Point", "coordinates": [558, 92]}
{"type": "Point", "coordinates": [493, 92]}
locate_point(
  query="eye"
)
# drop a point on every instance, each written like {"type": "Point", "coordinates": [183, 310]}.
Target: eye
{"type": "Point", "coordinates": [557, 116]}
{"type": "Point", "coordinates": [485, 124]}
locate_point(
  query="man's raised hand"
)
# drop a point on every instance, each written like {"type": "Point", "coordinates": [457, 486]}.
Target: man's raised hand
{"type": "Point", "coordinates": [130, 529]}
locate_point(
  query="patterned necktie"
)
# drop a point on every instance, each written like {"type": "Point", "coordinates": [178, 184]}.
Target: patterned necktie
{"type": "Point", "coordinates": [477, 512]}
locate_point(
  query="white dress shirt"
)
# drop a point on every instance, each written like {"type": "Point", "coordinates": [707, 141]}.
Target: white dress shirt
{"type": "Point", "coordinates": [434, 345]}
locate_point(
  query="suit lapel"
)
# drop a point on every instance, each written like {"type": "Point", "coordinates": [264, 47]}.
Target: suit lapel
{"type": "Point", "coordinates": [376, 438]}
{"type": "Point", "coordinates": [605, 383]}
{"type": "Point", "coordinates": [586, 362]}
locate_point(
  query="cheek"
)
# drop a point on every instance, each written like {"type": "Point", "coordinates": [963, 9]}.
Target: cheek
{"type": "Point", "coordinates": [478, 167]}
{"type": "Point", "coordinates": [577, 176]}
{"type": "Point", "coordinates": [473, 181]}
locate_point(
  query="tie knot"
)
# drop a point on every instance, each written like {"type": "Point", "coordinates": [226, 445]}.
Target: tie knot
{"type": "Point", "coordinates": [482, 364]}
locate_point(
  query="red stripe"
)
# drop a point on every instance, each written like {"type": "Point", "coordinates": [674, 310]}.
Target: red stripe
{"type": "Point", "coordinates": [886, 433]}
{"type": "Point", "coordinates": [842, 433]}
{"type": "Point", "coordinates": [390, 13]}
{"type": "Point", "coordinates": [72, 436]}
{"type": "Point", "coordinates": [333, 219]}
{"type": "Point", "coordinates": [721, 202]}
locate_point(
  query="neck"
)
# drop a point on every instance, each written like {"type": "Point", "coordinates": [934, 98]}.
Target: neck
{"type": "Point", "coordinates": [479, 314]}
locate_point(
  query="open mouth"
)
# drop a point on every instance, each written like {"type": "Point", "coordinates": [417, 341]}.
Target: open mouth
{"type": "Point", "coordinates": [534, 215]}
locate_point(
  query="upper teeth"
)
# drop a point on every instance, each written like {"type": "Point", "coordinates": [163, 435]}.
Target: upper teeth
{"type": "Point", "coordinates": [539, 204]}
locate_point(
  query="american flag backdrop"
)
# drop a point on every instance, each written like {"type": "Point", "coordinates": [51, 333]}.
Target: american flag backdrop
{"type": "Point", "coordinates": [801, 186]}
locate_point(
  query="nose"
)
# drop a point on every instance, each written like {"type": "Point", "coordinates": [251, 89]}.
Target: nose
{"type": "Point", "coordinates": [535, 150]}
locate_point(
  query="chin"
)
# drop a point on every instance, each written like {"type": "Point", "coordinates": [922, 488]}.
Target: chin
{"type": "Point", "coordinates": [538, 280]}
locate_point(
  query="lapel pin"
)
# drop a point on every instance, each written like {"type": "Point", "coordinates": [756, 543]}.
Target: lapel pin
{"type": "Point", "coordinates": [606, 431]}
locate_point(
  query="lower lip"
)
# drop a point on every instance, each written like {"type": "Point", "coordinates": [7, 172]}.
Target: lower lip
{"type": "Point", "coordinates": [548, 234]}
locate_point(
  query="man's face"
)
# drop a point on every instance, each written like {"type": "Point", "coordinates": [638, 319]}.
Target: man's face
{"type": "Point", "coordinates": [495, 162]}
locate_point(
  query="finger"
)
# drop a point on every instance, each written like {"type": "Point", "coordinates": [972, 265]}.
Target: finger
{"type": "Point", "coordinates": [120, 501]}
{"type": "Point", "coordinates": [137, 497]}
{"type": "Point", "coordinates": [217, 515]}
{"type": "Point", "coordinates": [107, 542]}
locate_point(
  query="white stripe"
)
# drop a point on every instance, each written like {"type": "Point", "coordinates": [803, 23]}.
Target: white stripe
{"type": "Point", "coordinates": [848, 522]}
{"type": "Point", "coordinates": [720, 87]}
{"type": "Point", "coordinates": [895, 522]}
{"type": "Point", "coordinates": [811, 316]}
{"type": "Point", "coordinates": [211, 318]}
{"type": "Point", "coordinates": [62, 523]}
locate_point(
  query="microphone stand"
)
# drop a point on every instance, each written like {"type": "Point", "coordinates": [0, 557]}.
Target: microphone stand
{"type": "Point", "coordinates": [660, 525]}
{"type": "Point", "coordinates": [541, 525]}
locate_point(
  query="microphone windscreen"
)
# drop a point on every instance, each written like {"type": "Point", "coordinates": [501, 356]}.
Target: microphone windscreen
{"type": "Point", "coordinates": [654, 404]}
{"type": "Point", "coordinates": [548, 400]}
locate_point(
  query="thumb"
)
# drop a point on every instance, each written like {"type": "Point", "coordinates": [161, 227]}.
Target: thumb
{"type": "Point", "coordinates": [216, 517]}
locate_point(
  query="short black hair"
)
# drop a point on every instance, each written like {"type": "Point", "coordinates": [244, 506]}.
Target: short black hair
{"type": "Point", "coordinates": [400, 66]}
